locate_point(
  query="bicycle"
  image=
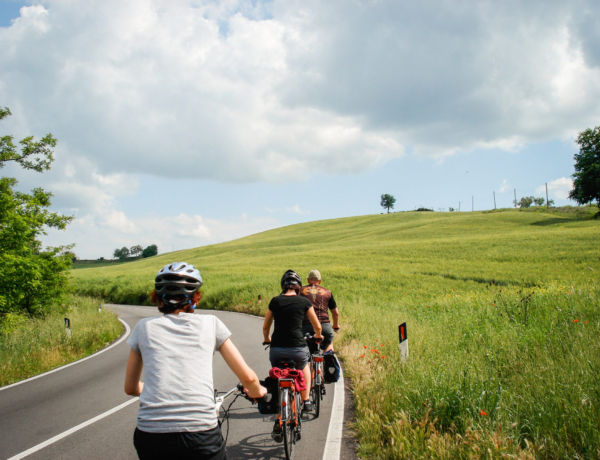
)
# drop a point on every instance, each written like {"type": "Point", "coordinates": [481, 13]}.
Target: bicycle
{"type": "Point", "coordinates": [289, 416]}
{"type": "Point", "coordinates": [317, 384]}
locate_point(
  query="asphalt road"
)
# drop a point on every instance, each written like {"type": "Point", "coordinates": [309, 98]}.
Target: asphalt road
{"type": "Point", "coordinates": [40, 409]}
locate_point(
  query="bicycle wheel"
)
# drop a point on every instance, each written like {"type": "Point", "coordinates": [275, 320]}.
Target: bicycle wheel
{"type": "Point", "coordinates": [288, 432]}
{"type": "Point", "coordinates": [315, 396]}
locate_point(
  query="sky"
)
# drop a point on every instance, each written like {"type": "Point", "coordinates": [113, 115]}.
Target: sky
{"type": "Point", "coordinates": [184, 123]}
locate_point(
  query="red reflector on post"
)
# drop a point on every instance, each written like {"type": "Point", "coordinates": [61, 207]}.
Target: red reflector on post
{"type": "Point", "coordinates": [286, 383]}
{"type": "Point", "coordinates": [318, 360]}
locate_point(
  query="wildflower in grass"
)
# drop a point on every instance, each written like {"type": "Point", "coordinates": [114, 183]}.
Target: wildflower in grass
{"type": "Point", "coordinates": [483, 413]}
{"type": "Point", "coordinates": [586, 322]}
{"type": "Point", "coordinates": [364, 346]}
{"type": "Point", "coordinates": [372, 350]}
{"type": "Point", "coordinates": [362, 356]}
{"type": "Point", "coordinates": [382, 357]}
{"type": "Point", "coordinates": [383, 344]}
{"type": "Point", "coordinates": [575, 320]}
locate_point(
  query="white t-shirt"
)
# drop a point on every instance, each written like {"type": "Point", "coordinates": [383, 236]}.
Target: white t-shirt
{"type": "Point", "coordinates": [177, 351]}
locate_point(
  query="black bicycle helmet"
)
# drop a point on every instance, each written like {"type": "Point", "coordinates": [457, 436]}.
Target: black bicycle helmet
{"type": "Point", "coordinates": [290, 278]}
{"type": "Point", "coordinates": [176, 279]}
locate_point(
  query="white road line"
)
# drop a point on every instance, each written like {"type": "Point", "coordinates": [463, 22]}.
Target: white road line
{"type": "Point", "coordinates": [64, 434]}
{"type": "Point", "coordinates": [333, 445]}
{"type": "Point", "coordinates": [127, 332]}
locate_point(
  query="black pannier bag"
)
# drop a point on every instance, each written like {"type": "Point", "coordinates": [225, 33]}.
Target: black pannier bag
{"type": "Point", "coordinates": [331, 367]}
{"type": "Point", "coordinates": [270, 407]}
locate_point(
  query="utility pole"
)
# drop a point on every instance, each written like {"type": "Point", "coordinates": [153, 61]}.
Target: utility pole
{"type": "Point", "coordinates": [459, 206]}
{"type": "Point", "coordinates": [494, 200]}
{"type": "Point", "coordinates": [546, 195]}
{"type": "Point", "coordinates": [472, 203]}
{"type": "Point", "coordinates": [515, 198]}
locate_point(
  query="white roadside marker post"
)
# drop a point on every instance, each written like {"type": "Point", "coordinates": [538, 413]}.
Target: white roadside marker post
{"type": "Point", "coordinates": [68, 327]}
{"type": "Point", "coordinates": [403, 339]}
{"type": "Point", "coordinates": [100, 308]}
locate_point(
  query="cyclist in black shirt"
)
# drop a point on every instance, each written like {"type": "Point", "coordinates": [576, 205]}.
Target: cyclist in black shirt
{"type": "Point", "coordinates": [288, 310]}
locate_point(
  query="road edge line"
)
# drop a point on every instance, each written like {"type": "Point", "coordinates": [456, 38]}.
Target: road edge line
{"type": "Point", "coordinates": [333, 444]}
{"type": "Point", "coordinates": [69, 432]}
{"type": "Point", "coordinates": [93, 355]}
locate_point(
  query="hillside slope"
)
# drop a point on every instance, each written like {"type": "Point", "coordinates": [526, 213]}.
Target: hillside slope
{"type": "Point", "coordinates": [502, 310]}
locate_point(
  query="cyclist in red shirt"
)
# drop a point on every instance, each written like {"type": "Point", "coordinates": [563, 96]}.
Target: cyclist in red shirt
{"type": "Point", "coordinates": [323, 302]}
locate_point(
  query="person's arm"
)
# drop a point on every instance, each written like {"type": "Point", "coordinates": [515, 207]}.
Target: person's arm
{"type": "Point", "coordinates": [133, 386]}
{"type": "Point", "coordinates": [335, 317]}
{"type": "Point", "coordinates": [247, 376]}
{"type": "Point", "coordinates": [267, 326]}
{"type": "Point", "coordinates": [316, 324]}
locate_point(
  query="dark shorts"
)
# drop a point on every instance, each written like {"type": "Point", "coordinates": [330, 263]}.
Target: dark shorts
{"type": "Point", "coordinates": [327, 333]}
{"type": "Point", "coordinates": [298, 354]}
{"type": "Point", "coordinates": [199, 445]}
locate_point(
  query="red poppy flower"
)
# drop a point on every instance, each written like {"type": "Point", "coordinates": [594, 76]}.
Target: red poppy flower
{"type": "Point", "coordinates": [382, 357]}
{"type": "Point", "coordinates": [586, 322]}
{"type": "Point", "coordinates": [383, 344]}
{"type": "Point", "coordinates": [482, 413]}
{"type": "Point", "coordinates": [372, 350]}
{"type": "Point", "coordinates": [362, 356]}
{"type": "Point", "coordinates": [364, 346]}
{"type": "Point", "coordinates": [575, 320]}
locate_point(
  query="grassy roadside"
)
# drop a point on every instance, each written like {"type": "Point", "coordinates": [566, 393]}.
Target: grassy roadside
{"type": "Point", "coordinates": [31, 347]}
{"type": "Point", "coordinates": [503, 315]}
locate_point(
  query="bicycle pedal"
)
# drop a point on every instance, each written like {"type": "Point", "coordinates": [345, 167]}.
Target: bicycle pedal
{"type": "Point", "coordinates": [277, 437]}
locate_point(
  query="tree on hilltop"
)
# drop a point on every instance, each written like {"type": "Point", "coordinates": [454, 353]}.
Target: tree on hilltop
{"type": "Point", "coordinates": [586, 178]}
{"type": "Point", "coordinates": [135, 250]}
{"type": "Point", "coordinates": [387, 202]}
{"type": "Point", "coordinates": [150, 251]}
{"type": "Point", "coordinates": [121, 254]}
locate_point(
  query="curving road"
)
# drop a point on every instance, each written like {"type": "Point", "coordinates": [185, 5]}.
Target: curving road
{"type": "Point", "coordinates": [48, 407]}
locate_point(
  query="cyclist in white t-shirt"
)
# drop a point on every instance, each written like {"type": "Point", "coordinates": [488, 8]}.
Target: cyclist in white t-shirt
{"type": "Point", "coordinates": [177, 418]}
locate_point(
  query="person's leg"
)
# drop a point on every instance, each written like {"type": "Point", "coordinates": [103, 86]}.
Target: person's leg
{"type": "Point", "coordinates": [306, 393]}
{"type": "Point", "coordinates": [328, 334]}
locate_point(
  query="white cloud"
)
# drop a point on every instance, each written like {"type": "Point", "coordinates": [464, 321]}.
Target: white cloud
{"type": "Point", "coordinates": [296, 209]}
{"type": "Point", "coordinates": [505, 187]}
{"type": "Point", "coordinates": [558, 188]}
{"type": "Point", "coordinates": [276, 91]}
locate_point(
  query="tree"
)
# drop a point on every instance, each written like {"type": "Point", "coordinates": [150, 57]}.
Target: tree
{"type": "Point", "coordinates": [525, 202]}
{"type": "Point", "coordinates": [586, 178]}
{"type": "Point", "coordinates": [387, 202]}
{"type": "Point", "coordinates": [135, 250]}
{"type": "Point", "coordinates": [150, 251]}
{"type": "Point", "coordinates": [538, 201]}
{"type": "Point", "coordinates": [121, 254]}
{"type": "Point", "coordinates": [33, 280]}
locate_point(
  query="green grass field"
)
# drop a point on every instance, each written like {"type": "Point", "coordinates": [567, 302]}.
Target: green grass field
{"type": "Point", "coordinates": [502, 310]}
{"type": "Point", "coordinates": [30, 347]}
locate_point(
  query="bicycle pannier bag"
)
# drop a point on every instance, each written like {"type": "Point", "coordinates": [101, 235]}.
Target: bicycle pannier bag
{"type": "Point", "coordinates": [272, 391]}
{"type": "Point", "coordinates": [331, 368]}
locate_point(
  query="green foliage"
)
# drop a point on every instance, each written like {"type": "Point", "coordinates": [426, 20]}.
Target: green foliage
{"type": "Point", "coordinates": [31, 346]}
{"type": "Point", "coordinates": [586, 178]}
{"type": "Point", "coordinates": [526, 201]}
{"type": "Point", "coordinates": [136, 250]}
{"type": "Point", "coordinates": [122, 253]}
{"type": "Point", "coordinates": [36, 156]}
{"type": "Point", "coordinates": [387, 202]}
{"type": "Point", "coordinates": [490, 299]}
{"type": "Point", "coordinates": [32, 280]}
{"type": "Point", "coordinates": [538, 201]}
{"type": "Point", "coordinates": [150, 251]}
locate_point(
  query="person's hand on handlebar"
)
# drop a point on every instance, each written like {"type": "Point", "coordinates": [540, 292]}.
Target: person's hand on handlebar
{"type": "Point", "coordinates": [336, 328]}
{"type": "Point", "coordinates": [261, 393]}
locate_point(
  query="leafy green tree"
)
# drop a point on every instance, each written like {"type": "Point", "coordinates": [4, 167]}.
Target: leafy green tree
{"type": "Point", "coordinates": [526, 201]}
{"type": "Point", "coordinates": [538, 201]}
{"type": "Point", "coordinates": [121, 254]}
{"type": "Point", "coordinates": [586, 178]}
{"type": "Point", "coordinates": [135, 250]}
{"type": "Point", "coordinates": [150, 251]}
{"type": "Point", "coordinates": [387, 202]}
{"type": "Point", "coordinates": [33, 280]}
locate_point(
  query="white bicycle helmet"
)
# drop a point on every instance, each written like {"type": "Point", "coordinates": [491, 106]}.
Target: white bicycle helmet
{"type": "Point", "coordinates": [177, 278]}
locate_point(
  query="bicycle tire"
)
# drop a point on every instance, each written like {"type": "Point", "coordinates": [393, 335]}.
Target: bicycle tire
{"type": "Point", "coordinates": [289, 436]}
{"type": "Point", "coordinates": [315, 395]}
